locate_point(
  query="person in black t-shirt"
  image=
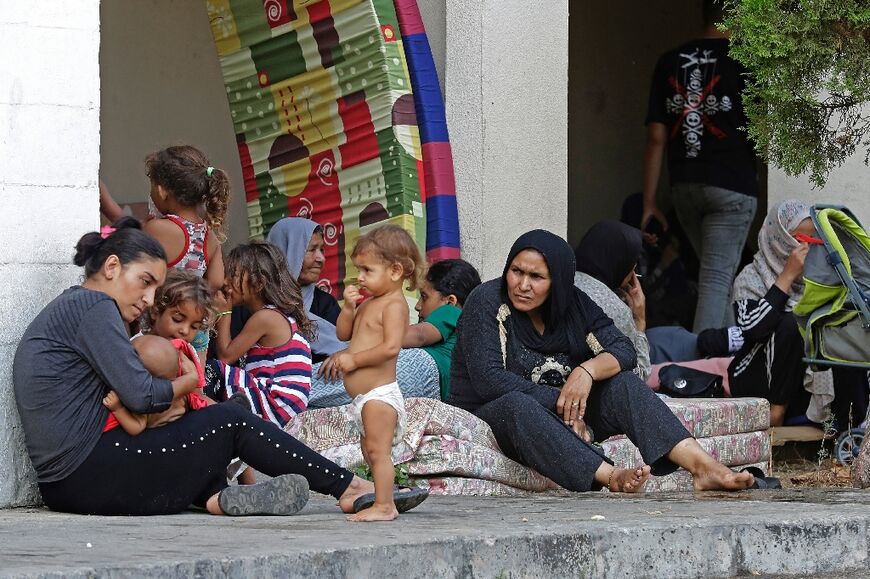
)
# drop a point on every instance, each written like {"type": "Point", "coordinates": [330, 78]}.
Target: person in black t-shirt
{"type": "Point", "coordinates": [696, 114]}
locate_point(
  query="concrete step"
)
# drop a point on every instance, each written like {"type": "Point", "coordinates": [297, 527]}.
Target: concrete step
{"type": "Point", "coordinates": [787, 533]}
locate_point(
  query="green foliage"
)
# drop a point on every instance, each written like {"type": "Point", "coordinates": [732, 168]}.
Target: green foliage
{"type": "Point", "coordinates": [402, 477]}
{"type": "Point", "coordinates": [809, 82]}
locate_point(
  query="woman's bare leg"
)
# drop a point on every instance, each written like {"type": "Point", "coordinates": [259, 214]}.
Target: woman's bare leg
{"type": "Point", "coordinates": [707, 472]}
{"type": "Point", "coordinates": [622, 480]}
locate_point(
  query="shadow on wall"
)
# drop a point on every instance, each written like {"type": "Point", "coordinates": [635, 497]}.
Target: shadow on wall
{"type": "Point", "coordinates": [613, 49]}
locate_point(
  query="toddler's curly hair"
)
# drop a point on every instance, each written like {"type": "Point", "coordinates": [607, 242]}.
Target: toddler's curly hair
{"type": "Point", "coordinates": [392, 244]}
{"type": "Point", "coordinates": [182, 285]}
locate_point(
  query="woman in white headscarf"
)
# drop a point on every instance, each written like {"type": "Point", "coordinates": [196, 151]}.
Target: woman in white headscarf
{"type": "Point", "coordinates": [301, 240]}
{"type": "Point", "coordinates": [770, 364]}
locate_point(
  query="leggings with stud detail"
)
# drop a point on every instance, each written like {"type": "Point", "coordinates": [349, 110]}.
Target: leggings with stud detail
{"type": "Point", "coordinates": [164, 470]}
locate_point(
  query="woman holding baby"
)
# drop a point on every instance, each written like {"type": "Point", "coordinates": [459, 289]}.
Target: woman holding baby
{"type": "Point", "coordinates": [77, 350]}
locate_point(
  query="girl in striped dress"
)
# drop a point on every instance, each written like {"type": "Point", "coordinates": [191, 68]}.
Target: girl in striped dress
{"type": "Point", "coordinates": [268, 364]}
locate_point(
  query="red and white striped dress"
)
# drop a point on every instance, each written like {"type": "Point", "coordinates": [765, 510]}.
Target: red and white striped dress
{"type": "Point", "coordinates": [276, 381]}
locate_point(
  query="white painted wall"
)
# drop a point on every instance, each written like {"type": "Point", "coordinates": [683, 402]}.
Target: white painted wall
{"type": "Point", "coordinates": [506, 83]}
{"type": "Point", "coordinates": [848, 185]}
{"type": "Point", "coordinates": [49, 144]}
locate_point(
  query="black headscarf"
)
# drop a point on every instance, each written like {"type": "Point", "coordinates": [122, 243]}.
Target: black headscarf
{"type": "Point", "coordinates": [565, 325]}
{"type": "Point", "coordinates": [609, 251]}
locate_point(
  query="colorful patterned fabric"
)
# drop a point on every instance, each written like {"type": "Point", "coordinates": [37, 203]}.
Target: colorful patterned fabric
{"type": "Point", "coordinates": [326, 122]}
{"type": "Point", "coordinates": [276, 381]}
{"type": "Point", "coordinates": [194, 256]}
{"type": "Point", "coordinates": [453, 452]}
{"type": "Point", "coordinates": [706, 417]}
{"type": "Point", "coordinates": [442, 219]}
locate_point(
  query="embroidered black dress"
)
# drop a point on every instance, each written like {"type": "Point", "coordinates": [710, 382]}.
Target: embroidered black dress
{"type": "Point", "coordinates": [516, 394]}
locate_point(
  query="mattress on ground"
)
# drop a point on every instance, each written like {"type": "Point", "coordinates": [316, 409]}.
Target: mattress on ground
{"type": "Point", "coordinates": [443, 442]}
{"type": "Point", "coordinates": [729, 449]}
{"type": "Point", "coordinates": [453, 485]}
{"type": "Point", "coordinates": [705, 417]}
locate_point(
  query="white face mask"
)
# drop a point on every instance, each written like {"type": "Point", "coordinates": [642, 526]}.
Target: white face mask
{"type": "Point", "coordinates": [152, 209]}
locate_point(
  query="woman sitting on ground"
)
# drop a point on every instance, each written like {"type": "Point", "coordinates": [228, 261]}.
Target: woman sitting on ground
{"type": "Point", "coordinates": [538, 360]}
{"type": "Point", "coordinates": [77, 350]}
{"type": "Point", "coordinates": [607, 258]}
{"type": "Point", "coordinates": [770, 363]}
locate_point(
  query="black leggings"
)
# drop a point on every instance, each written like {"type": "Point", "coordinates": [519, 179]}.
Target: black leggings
{"type": "Point", "coordinates": [164, 470]}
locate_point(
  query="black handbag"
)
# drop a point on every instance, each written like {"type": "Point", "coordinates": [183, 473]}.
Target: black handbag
{"type": "Point", "coordinates": [682, 382]}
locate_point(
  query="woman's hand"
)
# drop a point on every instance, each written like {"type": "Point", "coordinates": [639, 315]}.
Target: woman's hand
{"type": "Point", "coordinates": [794, 267]}
{"type": "Point", "coordinates": [580, 430]}
{"type": "Point", "coordinates": [112, 402]}
{"type": "Point", "coordinates": [633, 296]}
{"type": "Point", "coordinates": [571, 404]}
{"type": "Point", "coordinates": [176, 410]}
{"type": "Point", "coordinates": [329, 369]}
{"type": "Point", "coordinates": [187, 365]}
{"type": "Point", "coordinates": [345, 362]}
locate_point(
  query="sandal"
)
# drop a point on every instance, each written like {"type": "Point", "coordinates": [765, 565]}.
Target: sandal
{"type": "Point", "coordinates": [283, 495]}
{"type": "Point", "coordinates": [762, 482]}
{"type": "Point", "coordinates": [406, 498]}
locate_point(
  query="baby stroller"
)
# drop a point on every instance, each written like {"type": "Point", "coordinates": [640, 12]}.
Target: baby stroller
{"type": "Point", "coordinates": [834, 311]}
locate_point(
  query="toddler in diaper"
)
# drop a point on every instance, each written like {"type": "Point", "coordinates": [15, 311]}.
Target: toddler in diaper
{"type": "Point", "coordinates": [386, 258]}
{"type": "Point", "coordinates": [388, 394]}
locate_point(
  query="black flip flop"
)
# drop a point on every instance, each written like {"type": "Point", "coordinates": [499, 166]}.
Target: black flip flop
{"type": "Point", "coordinates": [761, 481]}
{"type": "Point", "coordinates": [405, 499]}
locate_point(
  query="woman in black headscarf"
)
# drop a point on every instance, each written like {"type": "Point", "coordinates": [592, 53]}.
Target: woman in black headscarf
{"type": "Point", "coordinates": [538, 361]}
{"type": "Point", "coordinates": [607, 258]}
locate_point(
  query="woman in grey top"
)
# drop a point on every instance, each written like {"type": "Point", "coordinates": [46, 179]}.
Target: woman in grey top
{"type": "Point", "coordinates": [77, 349]}
{"type": "Point", "coordinates": [538, 360]}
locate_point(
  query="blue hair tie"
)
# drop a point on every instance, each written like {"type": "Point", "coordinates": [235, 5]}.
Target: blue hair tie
{"type": "Point", "coordinates": [209, 171]}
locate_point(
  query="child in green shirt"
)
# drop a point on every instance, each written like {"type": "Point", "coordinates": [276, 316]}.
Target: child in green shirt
{"type": "Point", "coordinates": [442, 294]}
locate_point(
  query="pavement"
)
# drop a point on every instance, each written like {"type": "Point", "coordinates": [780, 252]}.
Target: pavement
{"type": "Point", "coordinates": [797, 533]}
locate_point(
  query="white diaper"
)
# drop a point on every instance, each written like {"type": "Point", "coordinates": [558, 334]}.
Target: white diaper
{"type": "Point", "coordinates": [388, 394]}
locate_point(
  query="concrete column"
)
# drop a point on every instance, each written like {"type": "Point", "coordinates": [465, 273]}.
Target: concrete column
{"type": "Point", "coordinates": [49, 143]}
{"type": "Point", "coordinates": [506, 84]}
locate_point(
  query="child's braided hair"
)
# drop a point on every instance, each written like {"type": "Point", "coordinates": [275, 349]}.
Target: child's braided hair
{"type": "Point", "coordinates": [187, 174]}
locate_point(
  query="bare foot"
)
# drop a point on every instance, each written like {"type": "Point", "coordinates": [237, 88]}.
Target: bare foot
{"type": "Point", "coordinates": [715, 476]}
{"type": "Point", "coordinates": [629, 481]}
{"type": "Point", "coordinates": [375, 513]}
{"type": "Point", "coordinates": [357, 488]}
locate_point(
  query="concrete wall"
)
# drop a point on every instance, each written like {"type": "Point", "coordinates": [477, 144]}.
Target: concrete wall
{"type": "Point", "coordinates": [161, 86]}
{"type": "Point", "coordinates": [49, 143]}
{"type": "Point", "coordinates": [613, 50]}
{"type": "Point", "coordinates": [506, 83]}
{"type": "Point", "coordinates": [845, 186]}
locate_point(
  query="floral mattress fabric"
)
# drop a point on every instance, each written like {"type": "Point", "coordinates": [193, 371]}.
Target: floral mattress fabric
{"type": "Point", "coordinates": [452, 452]}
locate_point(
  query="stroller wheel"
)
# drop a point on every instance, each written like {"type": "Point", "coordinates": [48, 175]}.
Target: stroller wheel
{"type": "Point", "coordinates": [848, 444]}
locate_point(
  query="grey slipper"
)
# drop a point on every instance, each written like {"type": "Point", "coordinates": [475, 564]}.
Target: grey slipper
{"type": "Point", "coordinates": [283, 495]}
